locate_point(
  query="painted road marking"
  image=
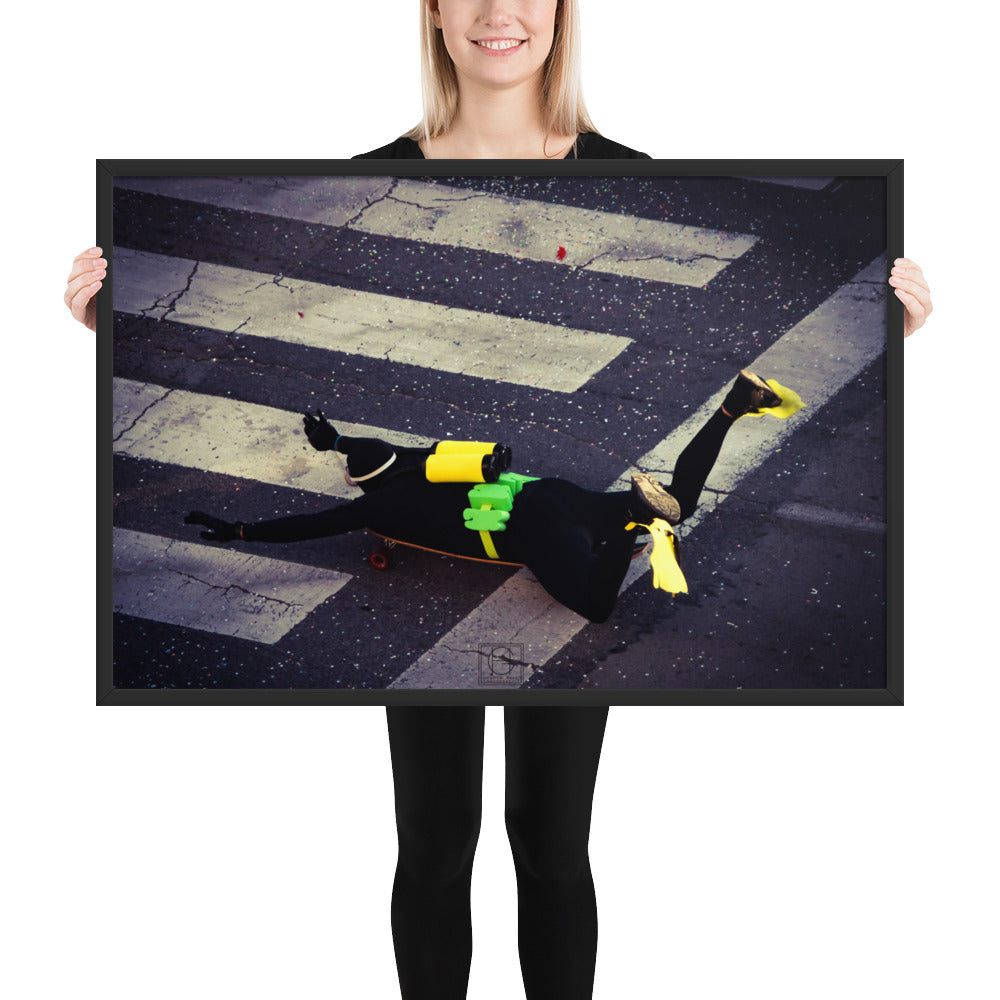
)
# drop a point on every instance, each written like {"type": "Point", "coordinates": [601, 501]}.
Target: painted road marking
{"type": "Point", "coordinates": [816, 358]}
{"type": "Point", "coordinates": [213, 588]}
{"type": "Point", "coordinates": [830, 518]}
{"type": "Point", "coordinates": [445, 338]}
{"type": "Point", "coordinates": [535, 230]}
{"type": "Point", "coordinates": [229, 436]}
{"type": "Point", "coordinates": [434, 213]}
{"type": "Point", "coordinates": [809, 183]}
{"type": "Point", "coordinates": [520, 611]}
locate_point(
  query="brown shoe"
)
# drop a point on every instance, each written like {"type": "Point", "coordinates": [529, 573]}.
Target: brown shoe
{"type": "Point", "coordinates": [749, 394]}
{"type": "Point", "coordinates": [649, 499]}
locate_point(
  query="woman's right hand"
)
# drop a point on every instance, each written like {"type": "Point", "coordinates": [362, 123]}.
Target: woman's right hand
{"type": "Point", "coordinates": [84, 280]}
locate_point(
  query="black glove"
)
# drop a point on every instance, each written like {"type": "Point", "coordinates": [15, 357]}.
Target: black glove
{"type": "Point", "coordinates": [321, 433]}
{"type": "Point", "coordinates": [220, 531]}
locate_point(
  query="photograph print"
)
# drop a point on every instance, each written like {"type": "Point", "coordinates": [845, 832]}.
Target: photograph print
{"type": "Point", "coordinates": [416, 433]}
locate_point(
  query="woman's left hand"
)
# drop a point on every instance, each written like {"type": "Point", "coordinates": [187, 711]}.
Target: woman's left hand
{"type": "Point", "coordinates": [911, 289]}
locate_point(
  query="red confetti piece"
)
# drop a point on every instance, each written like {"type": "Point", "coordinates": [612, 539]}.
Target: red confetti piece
{"type": "Point", "coordinates": [560, 253]}
{"type": "Point", "coordinates": [302, 315]}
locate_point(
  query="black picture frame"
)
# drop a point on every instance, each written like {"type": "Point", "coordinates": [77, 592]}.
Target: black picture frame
{"type": "Point", "coordinates": [829, 240]}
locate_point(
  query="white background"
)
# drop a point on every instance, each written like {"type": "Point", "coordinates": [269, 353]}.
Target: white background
{"type": "Point", "coordinates": [240, 852]}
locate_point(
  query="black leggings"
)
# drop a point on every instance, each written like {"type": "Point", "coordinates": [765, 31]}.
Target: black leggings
{"type": "Point", "coordinates": [437, 764]}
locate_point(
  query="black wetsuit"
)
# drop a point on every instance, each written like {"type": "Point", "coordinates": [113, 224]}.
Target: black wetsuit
{"type": "Point", "coordinates": [571, 538]}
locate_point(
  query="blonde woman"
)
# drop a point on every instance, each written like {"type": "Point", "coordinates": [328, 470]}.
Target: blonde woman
{"type": "Point", "coordinates": [501, 79]}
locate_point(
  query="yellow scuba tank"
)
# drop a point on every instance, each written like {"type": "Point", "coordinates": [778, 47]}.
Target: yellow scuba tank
{"type": "Point", "coordinates": [467, 462]}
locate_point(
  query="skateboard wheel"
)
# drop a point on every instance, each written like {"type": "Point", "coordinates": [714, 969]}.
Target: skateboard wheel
{"type": "Point", "coordinates": [379, 559]}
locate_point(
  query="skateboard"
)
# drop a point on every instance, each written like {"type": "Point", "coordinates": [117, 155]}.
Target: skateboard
{"type": "Point", "coordinates": [382, 557]}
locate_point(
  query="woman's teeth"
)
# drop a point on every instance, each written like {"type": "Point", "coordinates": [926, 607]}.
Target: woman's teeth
{"type": "Point", "coordinates": [500, 45]}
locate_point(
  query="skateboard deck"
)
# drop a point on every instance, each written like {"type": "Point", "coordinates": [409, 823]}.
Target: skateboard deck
{"type": "Point", "coordinates": [381, 558]}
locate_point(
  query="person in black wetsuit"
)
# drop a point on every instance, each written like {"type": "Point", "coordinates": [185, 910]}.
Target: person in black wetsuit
{"type": "Point", "coordinates": [575, 540]}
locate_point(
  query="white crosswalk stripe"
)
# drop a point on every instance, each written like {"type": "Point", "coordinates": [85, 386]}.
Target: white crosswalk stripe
{"type": "Point", "coordinates": [652, 249]}
{"type": "Point", "coordinates": [817, 357]}
{"type": "Point", "coordinates": [232, 437]}
{"type": "Point", "coordinates": [482, 345]}
{"type": "Point", "coordinates": [831, 518]}
{"type": "Point", "coordinates": [213, 588]}
{"type": "Point", "coordinates": [808, 183]}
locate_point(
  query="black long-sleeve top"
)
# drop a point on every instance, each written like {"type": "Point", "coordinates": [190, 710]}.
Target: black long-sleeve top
{"type": "Point", "coordinates": [589, 146]}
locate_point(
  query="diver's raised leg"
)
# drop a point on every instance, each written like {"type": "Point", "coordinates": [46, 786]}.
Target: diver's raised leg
{"type": "Point", "coordinates": [749, 394]}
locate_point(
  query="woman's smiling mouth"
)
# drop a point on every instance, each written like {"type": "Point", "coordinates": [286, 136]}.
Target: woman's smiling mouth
{"type": "Point", "coordinates": [498, 46]}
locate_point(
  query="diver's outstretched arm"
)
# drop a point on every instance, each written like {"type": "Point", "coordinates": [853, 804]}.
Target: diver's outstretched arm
{"type": "Point", "coordinates": [338, 520]}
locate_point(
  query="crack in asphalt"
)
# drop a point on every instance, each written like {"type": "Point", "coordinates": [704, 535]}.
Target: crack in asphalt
{"type": "Point", "coordinates": [172, 305]}
{"type": "Point", "coordinates": [655, 256]}
{"type": "Point", "coordinates": [145, 409]}
{"type": "Point", "coordinates": [275, 280]}
{"type": "Point", "coordinates": [232, 586]}
{"type": "Point", "coordinates": [471, 197]}
{"type": "Point", "coordinates": [415, 204]}
{"type": "Point", "coordinates": [389, 196]}
{"type": "Point", "coordinates": [372, 201]}
{"type": "Point", "coordinates": [458, 649]}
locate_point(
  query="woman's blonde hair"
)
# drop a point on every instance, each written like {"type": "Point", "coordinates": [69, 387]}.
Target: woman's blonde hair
{"type": "Point", "coordinates": [562, 92]}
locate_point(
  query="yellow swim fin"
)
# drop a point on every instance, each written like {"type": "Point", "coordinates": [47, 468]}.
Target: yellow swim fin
{"type": "Point", "coordinates": [790, 403]}
{"type": "Point", "coordinates": [667, 573]}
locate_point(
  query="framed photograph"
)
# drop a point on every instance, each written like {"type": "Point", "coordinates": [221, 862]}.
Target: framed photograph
{"type": "Point", "coordinates": [468, 432]}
